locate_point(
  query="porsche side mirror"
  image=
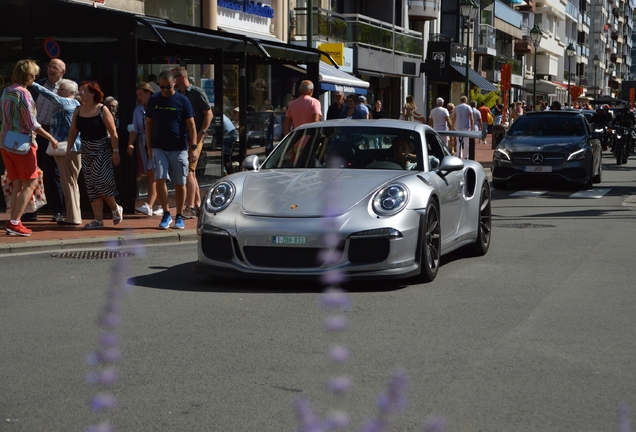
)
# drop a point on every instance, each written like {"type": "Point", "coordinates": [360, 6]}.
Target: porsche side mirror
{"type": "Point", "coordinates": [451, 163]}
{"type": "Point", "coordinates": [251, 163]}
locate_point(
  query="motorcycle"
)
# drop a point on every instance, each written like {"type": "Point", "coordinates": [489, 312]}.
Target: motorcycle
{"type": "Point", "coordinates": [622, 144]}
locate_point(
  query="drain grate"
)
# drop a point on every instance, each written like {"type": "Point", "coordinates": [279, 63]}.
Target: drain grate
{"type": "Point", "coordinates": [525, 225]}
{"type": "Point", "coordinates": [93, 254]}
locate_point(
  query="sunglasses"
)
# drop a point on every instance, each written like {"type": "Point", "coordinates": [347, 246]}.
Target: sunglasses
{"type": "Point", "coordinates": [165, 87]}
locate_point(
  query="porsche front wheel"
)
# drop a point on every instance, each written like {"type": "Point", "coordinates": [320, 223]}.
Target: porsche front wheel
{"type": "Point", "coordinates": [484, 222]}
{"type": "Point", "coordinates": [431, 243]}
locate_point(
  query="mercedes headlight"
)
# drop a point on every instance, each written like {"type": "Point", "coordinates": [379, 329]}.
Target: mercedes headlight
{"type": "Point", "coordinates": [577, 155]}
{"type": "Point", "coordinates": [501, 152]}
{"type": "Point", "coordinates": [390, 200]}
{"type": "Point", "coordinates": [219, 196]}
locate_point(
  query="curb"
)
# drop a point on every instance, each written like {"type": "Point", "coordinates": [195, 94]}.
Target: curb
{"type": "Point", "coordinates": [100, 242]}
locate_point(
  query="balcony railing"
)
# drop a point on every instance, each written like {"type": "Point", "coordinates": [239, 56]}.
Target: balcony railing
{"type": "Point", "coordinates": [325, 23]}
{"type": "Point", "coordinates": [507, 14]}
{"type": "Point", "coordinates": [572, 10]}
{"type": "Point", "coordinates": [487, 36]}
{"type": "Point", "coordinates": [362, 30]}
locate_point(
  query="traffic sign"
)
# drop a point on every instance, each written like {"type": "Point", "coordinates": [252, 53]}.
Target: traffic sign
{"type": "Point", "coordinates": [51, 48]}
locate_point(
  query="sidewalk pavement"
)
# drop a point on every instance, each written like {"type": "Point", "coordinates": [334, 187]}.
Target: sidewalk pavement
{"type": "Point", "coordinates": [134, 229]}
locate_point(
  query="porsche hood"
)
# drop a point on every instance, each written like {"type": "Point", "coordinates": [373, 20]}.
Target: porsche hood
{"type": "Point", "coordinates": [309, 193]}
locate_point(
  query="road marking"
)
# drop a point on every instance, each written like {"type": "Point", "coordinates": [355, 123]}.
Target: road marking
{"type": "Point", "coordinates": [523, 193]}
{"type": "Point", "coordinates": [630, 201]}
{"type": "Point", "coordinates": [591, 193]}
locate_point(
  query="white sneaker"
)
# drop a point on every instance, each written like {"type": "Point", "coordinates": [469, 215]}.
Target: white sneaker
{"type": "Point", "coordinates": [145, 209]}
{"type": "Point", "coordinates": [158, 212]}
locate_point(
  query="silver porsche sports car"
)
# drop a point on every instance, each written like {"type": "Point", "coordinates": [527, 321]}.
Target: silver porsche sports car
{"type": "Point", "coordinates": [370, 198]}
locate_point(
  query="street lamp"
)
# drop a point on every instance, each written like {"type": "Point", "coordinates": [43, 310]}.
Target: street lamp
{"type": "Point", "coordinates": [535, 35]}
{"type": "Point", "coordinates": [569, 52]}
{"type": "Point", "coordinates": [596, 61]}
{"type": "Point", "coordinates": [469, 10]}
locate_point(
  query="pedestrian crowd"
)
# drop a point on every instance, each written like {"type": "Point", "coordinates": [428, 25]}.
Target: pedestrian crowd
{"type": "Point", "coordinates": [52, 129]}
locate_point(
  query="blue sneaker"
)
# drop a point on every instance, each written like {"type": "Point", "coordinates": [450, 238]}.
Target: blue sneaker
{"type": "Point", "coordinates": [165, 221]}
{"type": "Point", "coordinates": [178, 222]}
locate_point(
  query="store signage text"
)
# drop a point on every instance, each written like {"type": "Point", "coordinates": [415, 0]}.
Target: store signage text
{"type": "Point", "coordinates": [249, 7]}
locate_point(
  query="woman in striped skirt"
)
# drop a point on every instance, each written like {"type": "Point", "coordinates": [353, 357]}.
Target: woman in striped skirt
{"type": "Point", "coordinates": [100, 152]}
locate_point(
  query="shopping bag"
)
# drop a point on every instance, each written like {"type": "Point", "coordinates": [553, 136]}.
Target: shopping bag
{"type": "Point", "coordinates": [37, 200]}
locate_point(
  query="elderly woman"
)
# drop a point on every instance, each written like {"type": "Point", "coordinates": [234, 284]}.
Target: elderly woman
{"type": "Point", "coordinates": [66, 105]}
{"type": "Point", "coordinates": [19, 115]}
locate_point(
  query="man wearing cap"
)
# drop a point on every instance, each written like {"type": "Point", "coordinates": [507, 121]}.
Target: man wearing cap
{"type": "Point", "coordinates": [304, 109]}
{"type": "Point", "coordinates": [362, 106]}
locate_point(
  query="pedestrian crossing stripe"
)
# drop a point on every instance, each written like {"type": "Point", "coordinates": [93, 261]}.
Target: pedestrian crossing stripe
{"type": "Point", "coordinates": [524, 193]}
{"type": "Point", "coordinates": [591, 193]}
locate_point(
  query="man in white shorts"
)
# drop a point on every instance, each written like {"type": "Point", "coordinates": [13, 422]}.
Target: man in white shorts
{"type": "Point", "coordinates": [439, 118]}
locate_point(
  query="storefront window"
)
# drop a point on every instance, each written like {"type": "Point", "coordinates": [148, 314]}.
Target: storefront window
{"type": "Point", "coordinates": [184, 12]}
{"type": "Point", "coordinates": [10, 50]}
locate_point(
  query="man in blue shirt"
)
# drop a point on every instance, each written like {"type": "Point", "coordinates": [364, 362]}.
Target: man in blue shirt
{"type": "Point", "coordinates": [170, 135]}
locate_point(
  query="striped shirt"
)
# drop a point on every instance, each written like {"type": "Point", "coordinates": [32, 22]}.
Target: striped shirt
{"type": "Point", "coordinates": [18, 111]}
{"type": "Point", "coordinates": [62, 116]}
{"type": "Point", "coordinates": [45, 107]}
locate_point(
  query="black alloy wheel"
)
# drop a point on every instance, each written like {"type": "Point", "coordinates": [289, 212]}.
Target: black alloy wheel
{"type": "Point", "coordinates": [484, 229]}
{"type": "Point", "coordinates": [431, 243]}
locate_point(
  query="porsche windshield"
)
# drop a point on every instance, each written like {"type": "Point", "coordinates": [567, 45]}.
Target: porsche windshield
{"type": "Point", "coordinates": [343, 147]}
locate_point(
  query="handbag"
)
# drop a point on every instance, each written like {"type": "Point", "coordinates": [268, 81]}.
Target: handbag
{"type": "Point", "coordinates": [16, 142]}
{"type": "Point", "coordinates": [60, 151]}
{"type": "Point", "coordinates": [37, 199]}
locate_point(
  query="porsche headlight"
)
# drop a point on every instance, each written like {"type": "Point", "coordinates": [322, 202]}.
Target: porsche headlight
{"type": "Point", "coordinates": [219, 196]}
{"type": "Point", "coordinates": [501, 152]}
{"type": "Point", "coordinates": [577, 155]}
{"type": "Point", "coordinates": [390, 200]}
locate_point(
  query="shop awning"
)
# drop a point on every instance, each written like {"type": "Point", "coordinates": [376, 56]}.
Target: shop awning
{"type": "Point", "coordinates": [166, 32]}
{"type": "Point", "coordinates": [528, 90]}
{"type": "Point", "coordinates": [254, 35]}
{"type": "Point", "coordinates": [336, 80]}
{"type": "Point", "coordinates": [478, 80]}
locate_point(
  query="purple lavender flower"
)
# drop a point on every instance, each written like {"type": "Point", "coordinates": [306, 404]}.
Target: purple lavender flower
{"type": "Point", "coordinates": [309, 422]}
{"type": "Point", "coordinates": [340, 384]}
{"type": "Point", "coordinates": [337, 419]}
{"type": "Point", "coordinates": [339, 353]}
{"type": "Point", "coordinates": [336, 323]}
{"type": "Point", "coordinates": [106, 377]}
{"type": "Point", "coordinates": [397, 391]}
{"type": "Point", "coordinates": [435, 424]}
{"type": "Point", "coordinates": [110, 321]}
{"type": "Point", "coordinates": [109, 340]}
{"type": "Point", "coordinates": [375, 425]}
{"type": "Point", "coordinates": [623, 418]}
{"type": "Point", "coordinates": [110, 355]}
{"type": "Point", "coordinates": [333, 277]}
{"type": "Point", "coordinates": [103, 402]}
{"type": "Point", "coordinates": [335, 298]}
{"type": "Point", "coordinates": [102, 427]}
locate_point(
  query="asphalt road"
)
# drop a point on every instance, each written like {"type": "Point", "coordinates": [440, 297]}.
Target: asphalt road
{"type": "Point", "coordinates": [538, 335]}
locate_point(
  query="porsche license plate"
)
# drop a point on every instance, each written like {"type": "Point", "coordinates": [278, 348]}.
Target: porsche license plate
{"type": "Point", "coordinates": [289, 240]}
{"type": "Point", "coordinates": [537, 169]}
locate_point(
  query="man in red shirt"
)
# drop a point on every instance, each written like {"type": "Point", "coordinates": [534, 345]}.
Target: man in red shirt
{"type": "Point", "coordinates": [483, 109]}
{"type": "Point", "coordinates": [304, 109]}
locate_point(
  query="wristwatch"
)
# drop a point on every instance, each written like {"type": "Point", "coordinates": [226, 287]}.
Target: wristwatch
{"type": "Point", "coordinates": [193, 146]}
{"type": "Point", "coordinates": [202, 131]}
{"type": "Point", "coordinates": [115, 150]}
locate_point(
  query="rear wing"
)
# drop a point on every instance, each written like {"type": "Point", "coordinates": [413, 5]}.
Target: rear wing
{"type": "Point", "coordinates": [456, 133]}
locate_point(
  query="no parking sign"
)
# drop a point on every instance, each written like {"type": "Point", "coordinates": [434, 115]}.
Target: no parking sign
{"type": "Point", "coordinates": [51, 48]}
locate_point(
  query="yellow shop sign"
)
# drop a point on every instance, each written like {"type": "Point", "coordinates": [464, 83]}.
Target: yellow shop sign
{"type": "Point", "coordinates": [335, 50]}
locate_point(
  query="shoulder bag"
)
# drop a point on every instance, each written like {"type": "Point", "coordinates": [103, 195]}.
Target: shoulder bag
{"type": "Point", "coordinates": [16, 142]}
